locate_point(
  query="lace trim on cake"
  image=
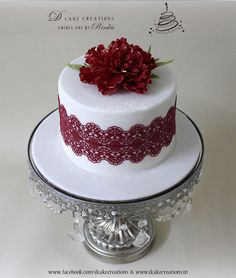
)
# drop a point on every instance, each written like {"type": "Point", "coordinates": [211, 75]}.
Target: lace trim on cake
{"type": "Point", "coordinates": [116, 145]}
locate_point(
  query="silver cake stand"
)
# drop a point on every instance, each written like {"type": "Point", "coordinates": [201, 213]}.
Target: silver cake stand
{"type": "Point", "coordinates": [117, 231]}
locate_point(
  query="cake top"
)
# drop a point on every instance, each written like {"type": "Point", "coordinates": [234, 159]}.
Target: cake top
{"type": "Point", "coordinates": [119, 66]}
{"type": "Point", "coordinates": [87, 95]}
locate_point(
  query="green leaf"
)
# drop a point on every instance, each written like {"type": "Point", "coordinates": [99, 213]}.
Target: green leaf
{"type": "Point", "coordinates": [159, 64]}
{"type": "Point", "coordinates": [149, 49]}
{"type": "Point", "coordinates": [153, 75]}
{"type": "Point", "coordinates": [74, 66]}
{"type": "Point", "coordinates": [157, 59]}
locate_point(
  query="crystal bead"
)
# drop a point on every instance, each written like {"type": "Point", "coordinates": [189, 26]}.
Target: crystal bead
{"type": "Point", "coordinates": [113, 213]}
{"type": "Point", "coordinates": [142, 223]}
{"type": "Point", "coordinates": [141, 239]}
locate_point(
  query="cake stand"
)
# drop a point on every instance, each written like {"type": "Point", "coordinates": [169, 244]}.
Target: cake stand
{"type": "Point", "coordinates": [118, 212]}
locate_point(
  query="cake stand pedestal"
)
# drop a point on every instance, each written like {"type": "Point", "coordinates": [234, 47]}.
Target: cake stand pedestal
{"type": "Point", "coordinates": [116, 231]}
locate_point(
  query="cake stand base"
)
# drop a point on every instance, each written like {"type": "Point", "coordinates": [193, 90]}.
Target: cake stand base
{"type": "Point", "coordinates": [119, 239]}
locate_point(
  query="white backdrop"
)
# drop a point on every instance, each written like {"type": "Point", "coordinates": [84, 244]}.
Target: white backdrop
{"type": "Point", "coordinates": [33, 52]}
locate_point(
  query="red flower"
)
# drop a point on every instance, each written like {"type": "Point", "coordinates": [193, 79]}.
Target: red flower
{"type": "Point", "coordinates": [120, 65]}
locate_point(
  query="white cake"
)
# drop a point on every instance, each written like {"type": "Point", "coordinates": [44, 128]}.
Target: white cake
{"type": "Point", "coordinates": [89, 118]}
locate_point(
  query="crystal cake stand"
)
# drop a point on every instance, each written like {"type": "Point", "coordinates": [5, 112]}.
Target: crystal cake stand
{"type": "Point", "coordinates": [118, 224]}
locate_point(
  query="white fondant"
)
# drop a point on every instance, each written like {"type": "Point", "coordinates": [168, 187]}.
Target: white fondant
{"type": "Point", "coordinates": [123, 109]}
{"type": "Point", "coordinates": [54, 165]}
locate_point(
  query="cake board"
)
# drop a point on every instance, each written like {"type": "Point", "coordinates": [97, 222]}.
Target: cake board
{"type": "Point", "coordinates": [118, 211]}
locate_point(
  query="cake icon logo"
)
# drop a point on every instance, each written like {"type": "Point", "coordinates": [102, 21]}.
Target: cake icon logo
{"type": "Point", "coordinates": [167, 23]}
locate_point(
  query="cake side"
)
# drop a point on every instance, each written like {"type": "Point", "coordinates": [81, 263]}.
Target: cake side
{"type": "Point", "coordinates": [122, 133]}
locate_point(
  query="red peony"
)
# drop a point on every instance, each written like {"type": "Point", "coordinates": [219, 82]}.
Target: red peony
{"type": "Point", "coordinates": [120, 65]}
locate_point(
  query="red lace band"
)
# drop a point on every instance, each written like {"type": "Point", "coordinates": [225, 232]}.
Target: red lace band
{"type": "Point", "coordinates": [116, 145]}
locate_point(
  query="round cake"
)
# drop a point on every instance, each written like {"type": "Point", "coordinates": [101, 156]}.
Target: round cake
{"type": "Point", "coordinates": [117, 134]}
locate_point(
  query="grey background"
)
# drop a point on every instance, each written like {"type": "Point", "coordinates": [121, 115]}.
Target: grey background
{"type": "Point", "coordinates": [32, 55]}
